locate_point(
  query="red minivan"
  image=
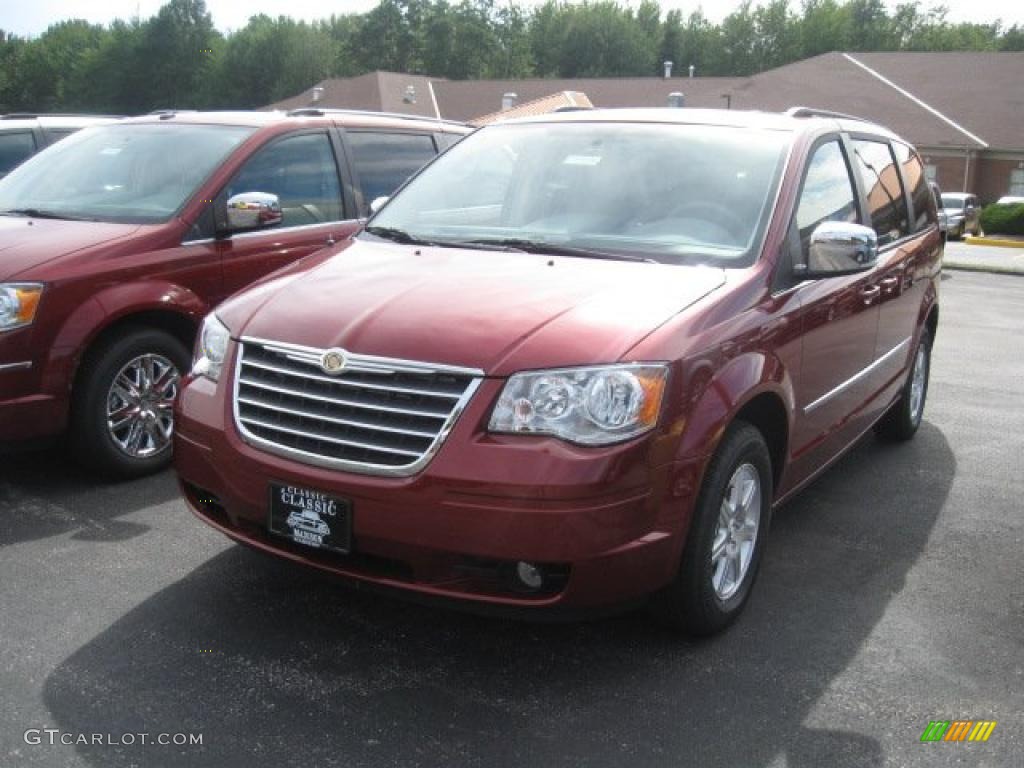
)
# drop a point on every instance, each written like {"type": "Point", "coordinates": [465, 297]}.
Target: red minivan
{"type": "Point", "coordinates": [577, 360]}
{"type": "Point", "coordinates": [116, 241]}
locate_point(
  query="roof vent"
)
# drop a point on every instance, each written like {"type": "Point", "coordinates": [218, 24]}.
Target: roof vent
{"type": "Point", "coordinates": [409, 97]}
{"type": "Point", "coordinates": [508, 100]}
{"type": "Point", "coordinates": [676, 100]}
{"type": "Point", "coordinates": [668, 69]}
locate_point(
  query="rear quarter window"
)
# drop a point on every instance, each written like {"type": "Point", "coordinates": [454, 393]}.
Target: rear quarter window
{"type": "Point", "coordinates": [921, 199]}
{"type": "Point", "coordinates": [15, 147]}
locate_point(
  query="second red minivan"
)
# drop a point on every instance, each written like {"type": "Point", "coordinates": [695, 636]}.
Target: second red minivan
{"type": "Point", "coordinates": [116, 241]}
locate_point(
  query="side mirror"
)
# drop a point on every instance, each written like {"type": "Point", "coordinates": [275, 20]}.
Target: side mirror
{"type": "Point", "coordinates": [253, 210]}
{"type": "Point", "coordinates": [378, 203]}
{"type": "Point", "coordinates": [839, 248]}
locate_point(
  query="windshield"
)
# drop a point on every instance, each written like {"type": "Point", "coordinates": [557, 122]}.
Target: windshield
{"type": "Point", "coordinates": [683, 194]}
{"type": "Point", "coordinates": [952, 202]}
{"type": "Point", "coordinates": [139, 174]}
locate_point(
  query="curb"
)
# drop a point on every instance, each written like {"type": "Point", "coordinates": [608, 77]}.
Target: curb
{"type": "Point", "coordinates": [972, 240]}
{"type": "Point", "coordinates": [990, 269]}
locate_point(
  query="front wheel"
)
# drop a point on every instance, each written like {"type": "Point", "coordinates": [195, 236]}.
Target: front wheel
{"type": "Point", "coordinates": [123, 417]}
{"type": "Point", "coordinates": [904, 417]}
{"type": "Point", "coordinates": [726, 538]}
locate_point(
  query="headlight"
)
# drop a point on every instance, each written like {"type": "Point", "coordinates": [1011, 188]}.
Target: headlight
{"type": "Point", "coordinates": [18, 304]}
{"type": "Point", "coordinates": [590, 406]}
{"type": "Point", "coordinates": [211, 348]}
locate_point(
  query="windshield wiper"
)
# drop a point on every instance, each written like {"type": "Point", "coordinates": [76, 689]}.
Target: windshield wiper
{"type": "Point", "coordinates": [398, 236]}
{"type": "Point", "coordinates": [555, 249]}
{"type": "Point", "coordinates": [38, 213]}
{"type": "Point", "coordinates": [401, 236]}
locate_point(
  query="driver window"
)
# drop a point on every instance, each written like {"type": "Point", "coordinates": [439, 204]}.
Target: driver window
{"type": "Point", "coordinates": [827, 194]}
{"type": "Point", "coordinates": [302, 172]}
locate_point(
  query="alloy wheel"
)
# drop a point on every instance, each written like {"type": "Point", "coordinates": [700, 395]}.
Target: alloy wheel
{"type": "Point", "coordinates": [919, 378]}
{"type": "Point", "coordinates": [140, 403]}
{"type": "Point", "coordinates": [739, 516]}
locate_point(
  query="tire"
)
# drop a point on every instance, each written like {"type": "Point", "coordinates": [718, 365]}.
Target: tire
{"type": "Point", "coordinates": [139, 442]}
{"type": "Point", "coordinates": [901, 421]}
{"type": "Point", "coordinates": [703, 600]}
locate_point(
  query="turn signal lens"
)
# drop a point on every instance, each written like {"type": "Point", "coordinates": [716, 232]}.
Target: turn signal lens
{"type": "Point", "coordinates": [18, 304]}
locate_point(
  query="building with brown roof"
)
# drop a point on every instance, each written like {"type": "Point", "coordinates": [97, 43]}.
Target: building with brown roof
{"type": "Point", "coordinates": [963, 110]}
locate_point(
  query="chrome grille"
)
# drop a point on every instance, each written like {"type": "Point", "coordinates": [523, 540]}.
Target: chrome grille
{"type": "Point", "coordinates": [378, 416]}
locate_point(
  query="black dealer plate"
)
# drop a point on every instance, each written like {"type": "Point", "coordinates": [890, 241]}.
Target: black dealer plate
{"type": "Point", "coordinates": [311, 518]}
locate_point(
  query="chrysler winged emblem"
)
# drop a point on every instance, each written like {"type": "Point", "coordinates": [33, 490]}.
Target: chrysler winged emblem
{"type": "Point", "coordinates": [333, 361]}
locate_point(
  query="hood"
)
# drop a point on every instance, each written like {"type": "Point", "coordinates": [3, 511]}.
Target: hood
{"type": "Point", "coordinates": [497, 311]}
{"type": "Point", "coordinates": [27, 243]}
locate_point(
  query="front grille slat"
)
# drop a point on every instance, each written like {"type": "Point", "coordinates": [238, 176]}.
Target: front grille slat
{"type": "Point", "coordinates": [333, 420]}
{"type": "Point", "coordinates": [378, 416]}
{"type": "Point", "coordinates": [345, 402]}
{"type": "Point", "coordinates": [329, 439]}
{"type": "Point", "coordinates": [353, 383]}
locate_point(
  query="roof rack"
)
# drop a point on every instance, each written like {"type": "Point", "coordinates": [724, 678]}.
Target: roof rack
{"type": "Point", "coordinates": [322, 112]}
{"type": "Point", "coordinates": [815, 112]}
{"type": "Point", "coordinates": [35, 115]}
{"type": "Point", "coordinates": [168, 114]}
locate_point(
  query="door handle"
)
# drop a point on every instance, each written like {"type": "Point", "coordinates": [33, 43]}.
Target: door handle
{"type": "Point", "coordinates": [870, 294]}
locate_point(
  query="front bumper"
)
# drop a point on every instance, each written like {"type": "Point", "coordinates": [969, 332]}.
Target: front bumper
{"type": "Point", "coordinates": [607, 525]}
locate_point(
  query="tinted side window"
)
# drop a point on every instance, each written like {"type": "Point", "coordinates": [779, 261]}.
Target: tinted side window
{"type": "Point", "coordinates": [56, 134]}
{"type": "Point", "coordinates": [921, 198]}
{"type": "Point", "coordinates": [15, 147]}
{"type": "Point", "coordinates": [449, 139]}
{"type": "Point", "coordinates": [886, 203]}
{"type": "Point", "coordinates": [302, 172]}
{"type": "Point", "coordinates": [827, 194]}
{"type": "Point", "coordinates": [384, 161]}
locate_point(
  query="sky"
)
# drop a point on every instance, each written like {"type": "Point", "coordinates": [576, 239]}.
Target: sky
{"type": "Point", "coordinates": [29, 18]}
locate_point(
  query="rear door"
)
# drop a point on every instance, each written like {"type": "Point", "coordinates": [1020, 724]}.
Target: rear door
{"type": "Point", "coordinates": [302, 169]}
{"type": "Point", "coordinates": [383, 159]}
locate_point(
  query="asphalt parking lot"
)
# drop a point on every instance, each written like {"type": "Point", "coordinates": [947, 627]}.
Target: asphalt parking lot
{"type": "Point", "coordinates": [891, 595]}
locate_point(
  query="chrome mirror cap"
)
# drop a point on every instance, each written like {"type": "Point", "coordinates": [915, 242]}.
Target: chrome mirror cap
{"type": "Point", "coordinates": [253, 210]}
{"type": "Point", "coordinates": [839, 248]}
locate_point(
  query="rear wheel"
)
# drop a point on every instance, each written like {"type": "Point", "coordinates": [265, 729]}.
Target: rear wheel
{"type": "Point", "coordinates": [123, 415]}
{"type": "Point", "coordinates": [903, 419]}
{"type": "Point", "coordinates": [726, 538]}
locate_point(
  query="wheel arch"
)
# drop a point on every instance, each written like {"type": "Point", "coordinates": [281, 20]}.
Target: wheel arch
{"type": "Point", "coordinates": [932, 322]}
{"type": "Point", "coordinates": [766, 412]}
{"type": "Point", "coordinates": [162, 306]}
{"type": "Point", "coordinates": [756, 388]}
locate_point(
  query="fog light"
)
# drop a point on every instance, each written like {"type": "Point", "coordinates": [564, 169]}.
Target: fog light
{"type": "Point", "coordinates": [529, 575]}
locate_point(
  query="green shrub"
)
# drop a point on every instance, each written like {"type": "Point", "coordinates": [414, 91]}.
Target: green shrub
{"type": "Point", "coordinates": [1003, 219]}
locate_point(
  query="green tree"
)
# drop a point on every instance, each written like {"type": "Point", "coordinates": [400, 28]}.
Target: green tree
{"type": "Point", "coordinates": [177, 56]}
{"type": "Point", "coordinates": [823, 28]}
{"type": "Point", "coordinates": [738, 41]}
{"type": "Point", "coordinates": [777, 36]}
